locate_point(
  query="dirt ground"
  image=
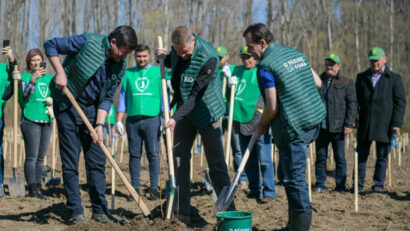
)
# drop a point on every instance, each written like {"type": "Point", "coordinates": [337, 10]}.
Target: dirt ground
{"type": "Point", "coordinates": [389, 210]}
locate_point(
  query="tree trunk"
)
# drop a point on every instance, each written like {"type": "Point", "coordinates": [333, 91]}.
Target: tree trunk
{"type": "Point", "coordinates": [391, 33]}
{"type": "Point", "coordinates": [356, 34]}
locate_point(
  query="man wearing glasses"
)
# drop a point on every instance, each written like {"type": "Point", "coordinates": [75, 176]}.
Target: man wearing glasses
{"type": "Point", "coordinates": [339, 97]}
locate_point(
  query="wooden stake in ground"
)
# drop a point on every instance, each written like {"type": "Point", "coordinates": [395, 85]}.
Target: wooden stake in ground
{"type": "Point", "coordinates": [309, 179]}
{"type": "Point", "coordinates": [124, 136]}
{"type": "Point", "coordinates": [230, 120]}
{"type": "Point", "coordinates": [167, 135]}
{"type": "Point", "coordinates": [107, 153]}
{"type": "Point", "coordinates": [399, 158]}
{"type": "Point", "coordinates": [389, 169]}
{"type": "Point", "coordinates": [356, 182]}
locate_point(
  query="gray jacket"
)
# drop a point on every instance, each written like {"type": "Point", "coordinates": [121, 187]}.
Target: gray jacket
{"type": "Point", "coordinates": [341, 102]}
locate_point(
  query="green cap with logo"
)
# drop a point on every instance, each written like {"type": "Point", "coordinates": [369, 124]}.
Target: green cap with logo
{"type": "Point", "coordinates": [222, 51]}
{"type": "Point", "coordinates": [375, 53]}
{"type": "Point", "coordinates": [244, 51]}
{"type": "Point", "coordinates": [334, 57]}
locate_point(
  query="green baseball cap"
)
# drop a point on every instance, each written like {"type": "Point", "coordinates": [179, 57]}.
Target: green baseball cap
{"type": "Point", "coordinates": [375, 53]}
{"type": "Point", "coordinates": [334, 57]}
{"type": "Point", "coordinates": [222, 51]}
{"type": "Point", "coordinates": [244, 51]}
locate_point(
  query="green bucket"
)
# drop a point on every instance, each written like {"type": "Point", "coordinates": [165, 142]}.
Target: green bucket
{"type": "Point", "coordinates": [234, 221]}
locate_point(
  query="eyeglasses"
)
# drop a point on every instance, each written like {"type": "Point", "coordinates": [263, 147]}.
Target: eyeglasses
{"type": "Point", "coordinates": [330, 64]}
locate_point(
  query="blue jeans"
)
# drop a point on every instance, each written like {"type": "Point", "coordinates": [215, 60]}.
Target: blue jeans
{"type": "Point", "coordinates": [72, 130]}
{"type": "Point", "coordinates": [1, 151]}
{"type": "Point", "coordinates": [292, 161]}
{"type": "Point", "coordinates": [237, 150]}
{"type": "Point", "coordinates": [144, 130]}
{"type": "Point", "coordinates": [382, 151]}
{"type": "Point", "coordinates": [260, 155]}
{"type": "Point", "coordinates": [338, 144]}
{"type": "Point", "coordinates": [36, 139]}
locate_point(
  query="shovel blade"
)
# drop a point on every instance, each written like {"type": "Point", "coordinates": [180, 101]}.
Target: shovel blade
{"type": "Point", "coordinates": [226, 197]}
{"type": "Point", "coordinates": [198, 150]}
{"type": "Point", "coordinates": [16, 187]}
{"type": "Point", "coordinates": [52, 181]}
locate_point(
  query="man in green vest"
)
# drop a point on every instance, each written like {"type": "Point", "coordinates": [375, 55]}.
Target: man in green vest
{"type": "Point", "coordinates": [293, 109]}
{"type": "Point", "coordinates": [200, 105]}
{"type": "Point", "coordinates": [92, 71]}
{"type": "Point", "coordinates": [247, 113]}
{"type": "Point", "coordinates": [140, 98]}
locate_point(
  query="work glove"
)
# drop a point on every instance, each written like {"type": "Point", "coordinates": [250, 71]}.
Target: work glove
{"type": "Point", "coordinates": [120, 128]}
{"type": "Point", "coordinates": [49, 105]}
{"type": "Point", "coordinates": [227, 71]}
{"type": "Point", "coordinates": [232, 80]}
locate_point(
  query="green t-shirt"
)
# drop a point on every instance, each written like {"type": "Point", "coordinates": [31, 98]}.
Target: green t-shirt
{"type": "Point", "coordinates": [246, 95]}
{"type": "Point", "coordinates": [34, 108]}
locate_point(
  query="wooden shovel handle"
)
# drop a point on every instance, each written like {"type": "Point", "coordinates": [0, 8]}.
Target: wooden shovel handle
{"type": "Point", "coordinates": [15, 118]}
{"type": "Point", "coordinates": [167, 131]}
{"type": "Point", "coordinates": [131, 189]}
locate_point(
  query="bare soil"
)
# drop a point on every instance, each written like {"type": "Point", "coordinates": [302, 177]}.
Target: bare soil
{"type": "Point", "coordinates": [389, 210]}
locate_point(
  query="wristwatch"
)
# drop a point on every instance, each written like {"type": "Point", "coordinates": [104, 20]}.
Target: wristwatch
{"type": "Point", "coordinates": [99, 124]}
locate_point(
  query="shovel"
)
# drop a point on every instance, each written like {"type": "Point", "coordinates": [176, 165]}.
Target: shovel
{"type": "Point", "coordinates": [107, 154]}
{"type": "Point", "coordinates": [53, 180]}
{"type": "Point", "coordinates": [227, 194]}
{"type": "Point", "coordinates": [16, 183]}
{"type": "Point", "coordinates": [168, 135]}
{"type": "Point", "coordinates": [112, 142]}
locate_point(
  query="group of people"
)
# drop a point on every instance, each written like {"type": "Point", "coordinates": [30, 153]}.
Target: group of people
{"type": "Point", "coordinates": [279, 97]}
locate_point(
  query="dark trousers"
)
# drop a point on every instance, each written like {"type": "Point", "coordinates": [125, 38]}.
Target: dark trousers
{"type": "Point", "coordinates": [72, 130]}
{"type": "Point", "coordinates": [292, 162]}
{"type": "Point", "coordinates": [382, 152]}
{"type": "Point", "coordinates": [338, 144]}
{"type": "Point", "coordinates": [185, 134]}
{"type": "Point", "coordinates": [144, 130]}
{"type": "Point", "coordinates": [36, 139]}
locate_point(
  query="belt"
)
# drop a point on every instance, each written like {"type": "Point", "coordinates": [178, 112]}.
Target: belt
{"type": "Point", "coordinates": [140, 117]}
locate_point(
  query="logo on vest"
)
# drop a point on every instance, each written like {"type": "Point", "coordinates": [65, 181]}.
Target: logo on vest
{"type": "Point", "coordinates": [294, 64]}
{"type": "Point", "coordinates": [43, 89]}
{"type": "Point", "coordinates": [241, 87]}
{"type": "Point", "coordinates": [188, 79]}
{"type": "Point", "coordinates": [142, 83]}
{"type": "Point", "coordinates": [113, 76]}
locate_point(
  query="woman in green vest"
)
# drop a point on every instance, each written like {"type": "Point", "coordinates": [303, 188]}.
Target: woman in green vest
{"type": "Point", "coordinates": [5, 82]}
{"type": "Point", "coordinates": [36, 119]}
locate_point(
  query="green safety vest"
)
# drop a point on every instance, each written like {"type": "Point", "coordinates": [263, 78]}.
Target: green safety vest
{"type": "Point", "coordinates": [246, 95]}
{"type": "Point", "coordinates": [4, 83]}
{"type": "Point", "coordinates": [80, 67]}
{"type": "Point", "coordinates": [300, 106]}
{"type": "Point", "coordinates": [111, 115]}
{"type": "Point", "coordinates": [143, 91]}
{"type": "Point", "coordinates": [212, 106]}
{"type": "Point", "coordinates": [34, 108]}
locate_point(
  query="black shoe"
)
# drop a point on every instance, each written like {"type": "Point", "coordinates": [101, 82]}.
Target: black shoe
{"type": "Point", "coordinates": [130, 198]}
{"type": "Point", "coordinates": [376, 188]}
{"type": "Point", "coordinates": [352, 190]}
{"type": "Point", "coordinates": [266, 199]}
{"type": "Point", "coordinates": [154, 194]}
{"type": "Point", "coordinates": [252, 196]}
{"type": "Point", "coordinates": [320, 189]}
{"type": "Point", "coordinates": [31, 188]}
{"type": "Point", "coordinates": [341, 189]}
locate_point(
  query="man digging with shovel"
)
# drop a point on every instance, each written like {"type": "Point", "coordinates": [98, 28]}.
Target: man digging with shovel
{"type": "Point", "coordinates": [200, 105]}
{"type": "Point", "coordinates": [293, 109]}
{"type": "Point", "coordinates": [92, 71]}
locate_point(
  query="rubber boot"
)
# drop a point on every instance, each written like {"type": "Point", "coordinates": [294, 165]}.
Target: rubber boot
{"type": "Point", "coordinates": [31, 188]}
{"type": "Point", "coordinates": [300, 221]}
{"type": "Point", "coordinates": [38, 193]}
